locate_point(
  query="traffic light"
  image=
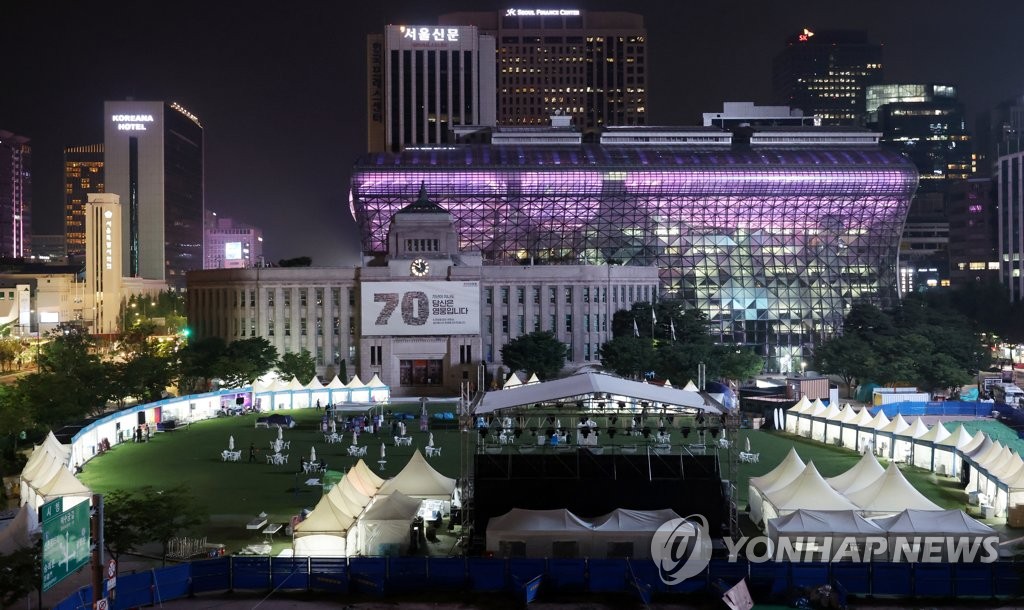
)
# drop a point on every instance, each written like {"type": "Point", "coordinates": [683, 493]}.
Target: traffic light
{"type": "Point", "coordinates": [186, 332]}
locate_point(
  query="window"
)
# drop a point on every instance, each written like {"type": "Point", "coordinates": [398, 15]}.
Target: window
{"type": "Point", "coordinates": [376, 355]}
{"type": "Point", "coordinates": [319, 326]}
{"type": "Point", "coordinates": [302, 326]}
{"type": "Point", "coordinates": [504, 295]}
{"type": "Point", "coordinates": [420, 372]}
{"type": "Point", "coordinates": [303, 296]}
{"type": "Point", "coordinates": [553, 295]}
{"type": "Point", "coordinates": [336, 296]}
{"type": "Point", "coordinates": [520, 295]}
{"type": "Point", "coordinates": [270, 328]}
{"type": "Point", "coordinates": [252, 298]}
{"type": "Point", "coordinates": [287, 297]}
{"type": "Point", "coordinates": [536, 323]}
{"type": "Point", "coordinates": [351, 325]}
{"type": "Point", "coordinates": [511, 548]}
{"type": "Point", "coordinates": [564, 549]}
{"type": "Point", "coordinates": [320, 297]}
{"type": "Point", "coordinates": [252, 327]}
{"type": "Point", "coordinates": [604, 295]}
{"type": "Point", "coordinates": [586, 295]}
{"type": "Point", "coordinates": [586, 351]}
{"type": "Point", "coordinates": [586, 322]}
{"type": "Point", "coordinates": [488, 324]}
{"type": "Point", "coordinates": [522, 325]}
{"type": "Point", "coordinates": [287, 328]}
{"type": "Point", "coordinates": [551, 322]}
{"type": "Point", "coordinates": [536, 295]}
{"type": "Point", "coordinates": [504, 324]}
{"type": "Point", "coordinates": [337, 325]}
{"type": "Point", "coordinates": [270, 297]}
{"type": "Point", "coordinates": [568, 322]}
{"type": "Point", "coordinates": [351, 297]}
{"type": "Point", "coordinates": [568, 295]}
{"type": "Point", "coordinates": [488, 295]}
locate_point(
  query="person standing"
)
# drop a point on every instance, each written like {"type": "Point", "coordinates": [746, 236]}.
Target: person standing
{"type": "Point", "coordinates": [252, 452]}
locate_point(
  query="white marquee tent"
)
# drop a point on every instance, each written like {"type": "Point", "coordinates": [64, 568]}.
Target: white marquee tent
{"type": "Point", "coordinates": [910, 524]}
{"type": "Point", "coordinates": [903, 441]}
{"type": "Point", "coordinates": [925, 445]}
{"type": "Point", "coordinates": [807, 529]}
{"type": "Point", "coordinates": [808, 491]}
{"type": "Point", "coordinates": [862, 474]}
{"type": "Point", "coordinates": [862, 437]}
{"type": "Point", "coordinates": [384, 527]}
{"type": "Point", "coordinates": [628, 533]}
{"type": "Point", "coordinates": [537, 533]}
{"type": "Point", "coordinates": [884, 435]}
{"type": "Point", "coordinates": [889, 495]}
{"type": "Point", "coordinates": [419, 480]}
{"type": "Point", "coordinates": [947, 462]}
{"type": "Point", "coordinates": [788, 469]}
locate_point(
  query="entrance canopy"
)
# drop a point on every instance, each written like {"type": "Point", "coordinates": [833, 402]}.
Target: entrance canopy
{"type": "Point", "coordinates": [593, 388]}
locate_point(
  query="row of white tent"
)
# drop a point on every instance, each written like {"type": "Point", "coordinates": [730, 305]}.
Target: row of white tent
{"type": "Point", "coordinates": [812, 531]}
{"type": "Point", "coordinates": [47, 476]}
{"type": "Point", "coordinates": [560, 533]}
{"type": "Point", "coordinates": [280, 394]}
{"type": "Point", "coordinates": [367, 515]}
{"type": "Point", "coordinates": [996, 470]}
{"type": "Point", "coordinates": [866, 488]}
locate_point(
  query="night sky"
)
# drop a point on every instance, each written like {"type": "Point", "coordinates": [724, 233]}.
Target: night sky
{"type": "Point", "coordinates": [280, 87]}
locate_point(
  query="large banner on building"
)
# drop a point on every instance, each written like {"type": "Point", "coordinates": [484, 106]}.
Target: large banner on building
{"type": "Point", "coordinates": [420, 308]}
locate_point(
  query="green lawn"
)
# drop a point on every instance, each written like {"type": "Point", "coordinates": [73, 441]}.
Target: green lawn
{"type": "Point", "coordinates": [233, 492]}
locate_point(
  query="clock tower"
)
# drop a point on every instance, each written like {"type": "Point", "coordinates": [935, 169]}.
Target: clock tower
{"type": "Point", "coordinates": [423, 243]}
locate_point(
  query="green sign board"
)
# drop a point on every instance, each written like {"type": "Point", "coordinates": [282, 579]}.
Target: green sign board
{"type": "Point", "coordinates": [66, 543]}
{"type": "Point", "coordinates": [52, 509]}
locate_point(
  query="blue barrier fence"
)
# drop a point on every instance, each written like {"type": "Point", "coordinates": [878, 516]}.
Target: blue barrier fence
{"type": "Point", "coordinates": [379, 576]}
{"type": "Point", "coordinates": [948, 407]}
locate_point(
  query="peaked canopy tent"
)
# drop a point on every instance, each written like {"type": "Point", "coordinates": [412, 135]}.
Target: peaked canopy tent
{"type": "Point", "coordinates": [903, 441]}
{"type": "Point", "coordinates": [862, 474]}
{"type": "Point", "coordinates": [592, 389]}
{"type": "Point", "coordinates": [318, 392]}
{"type": "Point", "coordinates": [628, 533]}
{"type": "Point", "coordinates": [890, 494]}
{"type": "Point", "coordinates": [858, 435]}
{"type": "Point", "coordinates": [884, 435]}
{"type": "Point", "coordinates": [923, 453]}
{"type": "Point", "coordinates": [871, 429]}
{"type": "Point", "coordinates": [807, 530]}
{"type": "Point", "coordinates": [384, 527]}
{"type": "Point", "coordinates": [1014, 486]}
{"type": "Point", "coordinates": [808, 491]}
{"type": "Point", "coordinates": [324, 531]}
{"type": "Point", "coordinates": [794, 414]}
{"type": "Point", "coordinates": [379, 392]}
{"type": "Point", "coordinates": [62, 485]}
{"type": "Point", "coordinates": [833, 428]}
{"type": "Point", "coordinates": [364, 479]}
{"type": "Point", "coordinates": [539, 533]}
{"type": "Point", "coordinates": [816, 420]}
{"type": "Point", "coordinates": [513, 381]}
{"type": "Point", "coordinates": [788, 469]}
{"type": "Point", "coordinates": [905, 529]}
{"type": "Point", "coordinates": [947, 459]}
{"type": "Point", "coordinates": [419, 480]}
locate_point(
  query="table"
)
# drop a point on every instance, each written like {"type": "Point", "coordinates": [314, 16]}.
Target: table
{"type": "Point", "coordinates": [256, 523]}
{"type": "Point", "coordinates": [403, 440]}
{"type": "Point", "coordinates": [433, 451]}
{"type": "Point", "coordinates": [749, 458]}
{"type": "Point", "coordinates": [272, 529]}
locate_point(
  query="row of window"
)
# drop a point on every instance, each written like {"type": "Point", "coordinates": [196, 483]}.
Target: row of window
{"type": "Point", "coordinates": [303, 326]}
{"type": "Point", "coordinates": [600, 323]}
{"type": "Point", "coordinates": [286, 297]}
{"type": "Point", "coordinates": [598, 293]}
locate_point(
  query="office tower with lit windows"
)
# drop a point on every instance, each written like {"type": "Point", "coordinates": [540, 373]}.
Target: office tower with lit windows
{"type": "Point", "coordinates": [229, 244]}
{"type": "Point", "coordinates": [826, 72]}
{"type": "Point", "coordinates": [927, 124]}
{"type": "Point", "coordinates": [973, 232]}
{"type": "Point", "coordinates": [153, 159]}
{"type": "Point", "coordinates": [1010, 223]}
{"type": "Point", "coordinates": [422, 81]}
{"type": "Point", "coordinates": [83, 174]}
{"type": "Point", "coordinates": [589, 65]}
{"type": "Point", "coordinates": [15, 195]}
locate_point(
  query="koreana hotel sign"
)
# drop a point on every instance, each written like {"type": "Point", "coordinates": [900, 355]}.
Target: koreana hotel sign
{"type": "Point", "coordinates": [132, 122]}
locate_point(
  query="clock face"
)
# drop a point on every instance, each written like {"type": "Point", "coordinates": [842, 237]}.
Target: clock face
{"type": "Point", "coordinates": [419, 267]}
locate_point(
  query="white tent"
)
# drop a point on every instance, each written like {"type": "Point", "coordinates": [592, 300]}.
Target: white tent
{"type": "Point", "coordinates": [513, 381]}
{"type": "Point", "coordinates": [906, 529]}
{"type": "Point", "coordinates": [903, 440]}
{"type": "Point", "coordinates": [849, 431]}
{"type": "Point", "coordinates": [816, 421]}
{"type": "Point", "coordinates": [324, 531]}
{"type": "Point", "coordinates": [691, 387]}
{"type": "Point", "coordinates": [808, 491]}
{"type": "Point", "coordinates": [865, 472]}
{"type": "Point", "coordinates": [863, 433]}
{"type": "Point", "coordinates": [1014, 485]}
{"type": "Point", "coordinates": [63, 485]}
{"type": "Point", "coordinates": [795, 413]}
{"type": "Point", "coordinates": [977, 440]}
{"type": "Point", "coordinates": [628, 533]}
{"type": "Point", "coordinates": [806, 530]}
{"type": "Point", "coordinates": [364, 479]}
{"type": "Point", "coordinates": [885, 436]}
{"type": "Point", "coordinates": [379, 392]}
{"type": "Point", "coordinates": [537, 533]}
{"type": "Point", "coordinates": [946, 459]}
{"type": "Point", "coordinates": [419, 480]}
{"type": "Point", "coordinates": [788, 469]}
{"type": "Point", "coordinates": [16, 535]}
{"type": "Point", "coordinates": [533, 379]}
{"type": "Point", "coordinates": [879, 421]}
{"type": "Point", "coordinates": [831, 434]}
{"type": "Point", "coordinates": [318, 392]}
{"type": "Point", "coordinates": [924, 446]}
{"type": "Point", "coordinates": [52, 445]}
{"type": "Point", "coordinates": [890, 494]}
{"type": "Point", "coordinates": [384, 527]}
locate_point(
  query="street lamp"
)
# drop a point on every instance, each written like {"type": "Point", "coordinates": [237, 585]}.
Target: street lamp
{"type": "Point", "coordinates": [803, 367]}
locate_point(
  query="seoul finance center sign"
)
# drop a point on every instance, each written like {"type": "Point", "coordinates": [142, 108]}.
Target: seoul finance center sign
{"type": "Point", "coordinates": [66, 542]}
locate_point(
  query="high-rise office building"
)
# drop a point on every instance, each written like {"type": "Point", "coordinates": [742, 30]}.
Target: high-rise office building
{"type": "Point", "coordinates": [1010, 223]}
{"type": "Point", "coordinates": [826, 72]}
{"type": "Point", "coordinates": [103, 282]}
{"type": "Point", "coordinates": [973, 232]}
{"type": "Point", "coordinates": [83, 174]}
{"type": "Point", "coordinates": [15, 195]}
{"type": "Point", "coordinates": [153, 159]}
{"type": "Point", "coordinates": [229, 244]}
{"type": "Point", "coordinates": [590, 65]}
{"type": "Point", "coordinates": [998, 129]}
{"type": "Point", "coordinates": [424, 80]}
{"type": "Point", "coordinates": [927, 124]}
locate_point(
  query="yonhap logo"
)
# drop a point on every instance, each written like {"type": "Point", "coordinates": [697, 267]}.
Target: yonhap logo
{"type": "Point", "coordinates": [681, 548]}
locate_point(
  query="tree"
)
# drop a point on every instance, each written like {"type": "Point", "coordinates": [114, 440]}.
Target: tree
{"type": "Point", "coordinates": [629, 356]}
{"type": "Point", "coordinates": [10, 352]}
{"type": "Point", "coordinates": [197, 363]}
{"type": "Point", "coordinates": [299, 365]}
{"type": "Point", "coordinates": [847, 356]}
{"type": "Point", "coordinates": [20, 574]}
{"type": "Point", "coordinates": [540, 352]}
{"type": "Point", "coordinates": [245, 360]}
{"type": "Point", "coordinates": [736, 362]}
{"type": "Point", "coordinates": [132, 519]}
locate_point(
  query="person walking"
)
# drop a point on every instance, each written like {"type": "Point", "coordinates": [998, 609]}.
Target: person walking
{"type": "Point", "coordinates": [252, 452]}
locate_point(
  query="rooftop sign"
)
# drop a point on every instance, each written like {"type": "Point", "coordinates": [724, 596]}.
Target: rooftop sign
{"type": "Point", "coordinates": [132, 122]}
{"type": "Point", "coordinates": [542, 12]}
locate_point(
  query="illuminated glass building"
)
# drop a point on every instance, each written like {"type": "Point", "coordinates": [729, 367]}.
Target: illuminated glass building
{"type": "Point", "coordinates": [773, 242]}
{"type": "Point", "coordinates": [15, 195]}
{"type": "Point", "coordinates": [83, 174]}
{"type": "Point", "coordinates": [153, 159]}
{"type": "Point", "coordinates": [590, 65]}
{"type": "Point", "coordinates": [825, 73]}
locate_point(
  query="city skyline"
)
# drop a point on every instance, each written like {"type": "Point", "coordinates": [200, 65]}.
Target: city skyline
{"type": "Point", "coordinates": [281, 90]}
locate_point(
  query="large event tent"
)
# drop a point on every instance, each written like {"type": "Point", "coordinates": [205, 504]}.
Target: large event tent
{"type": "Point", "coordinates": [947, 462]}
{"type": "Point", "coordinates": [384, 527]}
{"type": "Point", "coordinates": [906, 530]}
{"type": "Point", "coordinates": [816, 421]}
{"type": "Point", "coordinates": [788, 469]}
{"type": "Point", "coordinates": [539, 533]}
{"type": "Point", "coordinates": [324, 532]}
{"type": "Point", "coordinates": [890, 494]}
{"type": "Point", "coordinates": [862, 435]}
{"type": "Point", "coordinates": [865, 472]}
{"type": "Point", "coordinates": [808, 491]}
{"type": "Point", "coordinates": [885, 435]}
{"type": "Point", "coordinates": [628, 533]}
{"type": "Point", "coordinates": [877, 422]}
{"type": "Point", "coordinates": [925, 445]}
{"type": "Point", "coordinates": [806, 530]}
{"type": "Point", "coordinates": [903, 441]}
{"type": "Point", "coordinates": [419, 480]}
{"type": "Point", "coordinates": [795, 413]}
{"type": "Point", "coordinates": [830, 433]}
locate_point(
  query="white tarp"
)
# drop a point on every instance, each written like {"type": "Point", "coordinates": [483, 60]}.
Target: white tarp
{"type": "Point", "coordinates": [538, 531]}
{"type": "Point", "coordinates": [865, 472]}
{"type": "Point", "coordinates": [788, 469]}
{"type": "Point", "coordinates": [889, 495]}
{"type": "Point", "coordinates": [623, 528]}
{"type": "Point", "coordinates": [806, 530]}
{"type": "Point", "coordinates": [384, 527]}
{"type": "Point", "coordinates": [419, 480]}
{"type": "Point", "coordinates": [908, 526]}
{"type": "Point", "coordinates": [808, 491]}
